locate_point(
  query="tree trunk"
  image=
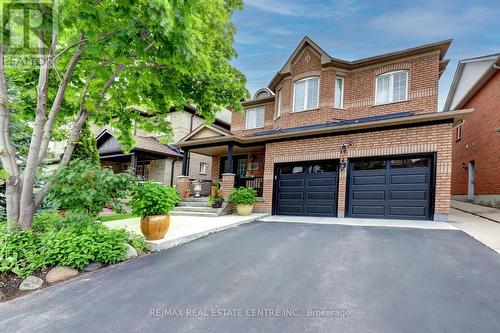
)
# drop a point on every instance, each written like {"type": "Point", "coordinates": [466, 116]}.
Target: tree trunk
{"type": "Point", "coordinates": [12, 192]}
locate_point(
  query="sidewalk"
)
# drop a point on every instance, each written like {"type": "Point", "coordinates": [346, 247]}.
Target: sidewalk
{"type": "Point", "coordinates": [482, 211]}
{"type": "Point", "coordinates": [481, 229]}
{"type": "Point", "coordinates": [184, 229]}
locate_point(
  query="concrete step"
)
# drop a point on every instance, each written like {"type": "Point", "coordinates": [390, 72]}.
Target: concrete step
{"type": "Point", "coordinates": [207, 209]}
{"type": "Point", "coordinates": [193, 204]}
{"type": "Point", "coordinates": [182, 213]}
{"type": "Point", "coordinates": [191, 199]}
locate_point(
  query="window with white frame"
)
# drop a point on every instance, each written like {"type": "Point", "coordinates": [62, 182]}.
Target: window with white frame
{"type": "Point", "coordinates": [391, 87]}
{"type": "Point", "coordinates": [306, 94]}
{"type": "Point", "coordinates": [203, 168]}
{"type": "Point", "coordinates": [255, 117]}
{"type": "Point", "coordinates": [339, 92]}
{"type": "Point", "coordinates": [459, 132]}
{"type": "Point", "coordinates": [278, 111]}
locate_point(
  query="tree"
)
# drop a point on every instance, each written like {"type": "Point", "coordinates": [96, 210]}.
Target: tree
{"type": "Point", "coordinates": [107, 59]}
{"type": "Point", "coordinates": [86, 147]}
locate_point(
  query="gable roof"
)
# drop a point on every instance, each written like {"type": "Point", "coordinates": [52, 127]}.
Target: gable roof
{"type": "Point", "coordinates": [470, 76]}
{"type": "Point", "coordinates": [206, 131]}
{"type": "Point", "coordinates": [326, 59]}
{"type": "Point", "coordinates": [107, 143]}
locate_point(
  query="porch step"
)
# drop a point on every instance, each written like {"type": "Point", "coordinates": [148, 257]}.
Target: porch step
{"type": "Point", "coordinates": [193, 204]}
{"type": "Point", "coordinates": [192, 199]}
{"type": "Point", "coordinates": [191, 213]}
{"type": "Point", "coordinates": [206, 209]}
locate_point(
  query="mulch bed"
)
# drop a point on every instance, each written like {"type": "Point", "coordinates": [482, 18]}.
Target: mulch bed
{"type": "Point", "coordinates": [10, 284]}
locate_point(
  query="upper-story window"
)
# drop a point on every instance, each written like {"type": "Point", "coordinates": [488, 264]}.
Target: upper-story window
{"type": "Point", "coordinates": [459, 133]}
{"type": "Point", "coordinates": [306, 94]}
{"type": "Point", "coordinates": [391, 87]}
{"type": "Point", "coordinates": [278, 97]}
{"type": "Point", "coordinates": [255, 117]}
{"type": "Point", "coordinates": [339, 92]}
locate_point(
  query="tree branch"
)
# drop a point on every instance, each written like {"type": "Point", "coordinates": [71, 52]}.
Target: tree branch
{"type": "Point", "coordinates": [56, 106]}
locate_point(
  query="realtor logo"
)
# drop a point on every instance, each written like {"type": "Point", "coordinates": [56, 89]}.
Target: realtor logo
{"type": "Point", "coordinates": [26, 24]}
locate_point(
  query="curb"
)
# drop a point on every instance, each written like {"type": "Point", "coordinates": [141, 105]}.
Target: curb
{"type": "Point", "coordinates": [155, 247]}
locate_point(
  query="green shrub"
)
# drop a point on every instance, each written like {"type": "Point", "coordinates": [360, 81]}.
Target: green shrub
{"type": "Point", "coordinates": [86, 187]}
{"type": "Point", "coordinates": [137, 241]}
{"type": "Point", "coordinates": [214, 199]}
{"type": "Point", "coordinates": [56, 240]}
{"type": "Point", "coordinates": [153, 199]}
{"type": "Point", "coordinates": [243, 196]}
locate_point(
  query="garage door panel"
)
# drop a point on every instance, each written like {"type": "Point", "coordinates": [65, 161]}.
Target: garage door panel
{"type": "Point", "coordinates": [408, 211]}
{"type": "Point", "coordinates": [291, 209]}
{"type": "Point", "coordinates": [291, 183]}
{"type": "Point", "coordinates": [291, 196]}
{"type": "Point", "coordinates": [329, 196]}
{"type": "Point", "coordinates": [320, 210]}
{"type": "Point", "coordinates": [407, 194]}
{"type": "Point", "coordinates": [392, 190]}
{"type": "Point", "coordinates": [325, 182]}
{"type": "Point", "coordinates": [368, 210]}
{"type": "Point", "coordinates": [368, 195]}
{"type": "Point", "coordinates": [369, 180]}
{"type": "Point", "coordinates": [409, 179]}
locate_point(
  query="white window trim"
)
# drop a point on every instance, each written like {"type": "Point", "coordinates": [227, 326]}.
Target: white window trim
{"type": "Point", "coordinates": [246, 115]}
{"type": "Point", "coordinates": [278, 111]}
{"type": "Point", "coordinates": [335, 93]}
{"type": "Point", "coordinates": [204, 172]}
{"type": "Point", "coordinates": [459, 133]}
{"type": "Point", "coordinates": [391, 87]}
{"type": "Point", "coordinates": [306, 94]}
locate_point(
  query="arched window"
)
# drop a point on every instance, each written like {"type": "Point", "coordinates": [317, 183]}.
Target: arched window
{"type": "Point", "coordinates": [306, 94]}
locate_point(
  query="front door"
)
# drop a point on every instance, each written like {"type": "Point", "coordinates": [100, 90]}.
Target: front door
{"type": "Point", "coordinates": [240, 165]}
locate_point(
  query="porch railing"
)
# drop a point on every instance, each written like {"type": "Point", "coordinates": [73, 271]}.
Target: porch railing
{"type": "Point", "coordinates": [205, 186]}
{"type": "Point", "coordinates": [257, 183]}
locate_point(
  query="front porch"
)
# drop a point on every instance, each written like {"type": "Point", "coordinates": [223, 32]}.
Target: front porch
{"type": "Point", "coordinates": [233, 166]}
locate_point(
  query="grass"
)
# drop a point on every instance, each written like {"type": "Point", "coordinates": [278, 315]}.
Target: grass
{"type": "Point", "coordinates": [109, 218]}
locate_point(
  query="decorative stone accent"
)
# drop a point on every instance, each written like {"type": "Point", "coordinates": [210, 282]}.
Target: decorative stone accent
{"type": "Point", "coordinates": [60, 273]}
{"type": "Point", "coordinates": [92, 266]}
{"type": "Point", "coordinates": [131, 251]}
{"type": "Point", "coordinates": [31, 283]}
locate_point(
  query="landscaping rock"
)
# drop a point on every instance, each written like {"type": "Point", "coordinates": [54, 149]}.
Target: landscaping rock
{"type": "Point", "coordinates": [31, 283]}
{"type": "Point", "coordinates": [131, 251]}
{"type": "Point", "coordinates": [60, 273]}
{"type": "Point", "coordinates": [92, 266]}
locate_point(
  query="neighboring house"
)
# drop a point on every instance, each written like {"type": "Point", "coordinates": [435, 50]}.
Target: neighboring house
{"type": "Point", "coordinates": [476, 141]}
{"type": "Point", "coordinates": [330, 137]}
{"type": "Point", "coordinates": [156, 161]}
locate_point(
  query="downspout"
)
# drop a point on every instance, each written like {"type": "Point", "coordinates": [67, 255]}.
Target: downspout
{"type": "Point", "coordinates": [172, 172]}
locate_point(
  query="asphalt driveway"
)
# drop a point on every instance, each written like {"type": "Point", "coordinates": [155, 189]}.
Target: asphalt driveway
{"type": "Point", "coordinates": [282, 277]}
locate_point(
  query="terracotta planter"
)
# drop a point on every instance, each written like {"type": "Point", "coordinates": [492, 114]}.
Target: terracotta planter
{"type": "Point", "coordinates": [155, 227]}
{"type": "Point", "coordinates": [244, 210]}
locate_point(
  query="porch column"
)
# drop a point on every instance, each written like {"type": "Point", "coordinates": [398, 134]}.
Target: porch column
{"type": "Point", "coordinates": [183, 186]}
{"type": "Point", "coordinates": [185, 162]}
{"type": "Point", "coordinates": [227, 185]}
{"type": "Point", "coordinates": [133, 161]}
{"type": "Point", "coordinates": [229, 168]}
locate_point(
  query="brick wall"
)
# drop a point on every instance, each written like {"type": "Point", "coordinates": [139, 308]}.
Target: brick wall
{"type": "Point", "coordinates": [434, 138]}
{"type": "Point", "coordinates": [359, 92]}
{"type": "Point", "coordinates": [480, 143]}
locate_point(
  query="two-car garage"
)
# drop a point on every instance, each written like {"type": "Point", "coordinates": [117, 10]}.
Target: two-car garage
{"type": "Point", "coordinates": [394, 187]}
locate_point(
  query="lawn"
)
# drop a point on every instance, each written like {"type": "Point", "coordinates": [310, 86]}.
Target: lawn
{"type": "Point", "coordinates": [108, 218]}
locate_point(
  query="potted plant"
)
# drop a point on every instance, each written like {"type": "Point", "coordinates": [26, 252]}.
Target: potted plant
{"type": "Point", "coordinates": [152, 202]}
{"type": "Point", "coordinates": [243, 198]}
{"type": "Point", "coordinates": [215, 200]}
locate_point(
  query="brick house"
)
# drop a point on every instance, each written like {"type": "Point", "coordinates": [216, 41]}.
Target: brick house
{"type": "Point", "coordinates": [476, 141]}
{"type": "Point", "coordinates": [330, 137]}
{"type": "Point", "coordinates": [156, 161]}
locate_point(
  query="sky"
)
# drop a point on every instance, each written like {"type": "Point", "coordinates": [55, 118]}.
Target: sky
{"type": "Point", "coordinates": [269, 30]}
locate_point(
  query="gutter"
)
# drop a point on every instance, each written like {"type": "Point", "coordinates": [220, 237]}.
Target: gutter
{"type": "Point", "coordinates": [455, 115]}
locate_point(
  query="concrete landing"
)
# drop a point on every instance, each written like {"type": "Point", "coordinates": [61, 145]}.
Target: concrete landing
{"type": "Point", "coordinates": [184, 229]}
{"type": "Point", "coordinates": [489, 213]}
